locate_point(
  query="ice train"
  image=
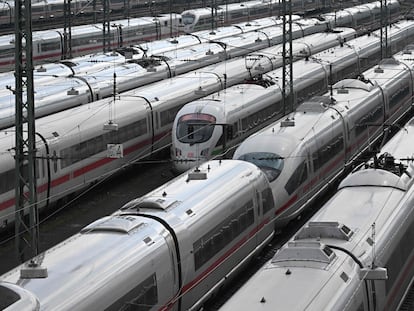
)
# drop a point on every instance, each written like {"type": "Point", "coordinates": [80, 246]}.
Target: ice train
{"type": "Point", "coordinates": [49, 45]}
{"type": "Point", "coordinates": [138, 122]}
{"type": "Point", "coordinates": [170, 249]}
{"type": "Point", "coordinates": [209, 18]}
{"type": "Point", "coordinates": [74, 148]}
{"type": "Point", "coordinates": [213, 125]}
{"type": "Point", "coordinates": [356, 252]}
{"type": "Point", "coordinates": [183, 240]}
{"type": "Point", "coordinates": [321, 138]}
{"type": "Point", "coordinates": [90, 78]}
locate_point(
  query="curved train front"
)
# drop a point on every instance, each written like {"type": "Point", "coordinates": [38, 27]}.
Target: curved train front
{"type": "Point", "coordinates": [171, 249]}
{"type": "Point", "coordinates": [355, 253]}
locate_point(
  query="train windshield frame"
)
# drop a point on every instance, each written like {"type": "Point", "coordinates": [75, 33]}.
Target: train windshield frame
{"type": "Point", "coordinates": [270, 163]}
{"type": "Point", "coordinates": [195, 128]}
{"type": "Point", "coordinates": [188, 19]}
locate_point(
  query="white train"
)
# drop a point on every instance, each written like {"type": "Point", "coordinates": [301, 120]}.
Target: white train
{"type": "Point", "coordinates": [241, 110]}
{"type": "Point", "coordinates": [226, 14]}
{"type": "Point", "coordinates": [49, 44]}
{"type": "Point", "coordinates": [356, 252]}
{"type": "Point", "coordinates": [97, 76]}
{"type": "Point", "coordinates": [113, 75]}
{"type": "Point", "coordinates": [51, 10]}
{"type": "Point", "coordinates": [183, 240]}
{"type": "Point", "coordinates": [137, 122]}
{"type": "Point", "coordinates": [170, 249]}
{"type": "Point", "coordinates": [321, 138]}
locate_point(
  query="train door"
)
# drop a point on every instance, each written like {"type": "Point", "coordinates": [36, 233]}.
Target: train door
{"type": "Point", "coordinates": [43, 173]}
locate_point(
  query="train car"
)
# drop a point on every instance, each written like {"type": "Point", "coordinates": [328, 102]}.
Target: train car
{"type": "Point", "coordinates": [89, 39]}
{"type": "Point", "coordinates": [51, 10]}
{"type": "Point", "coordinates": [318, 144]}
{"type": "Point", "coordinates": [241, 110]}
{"type": "Point", "coordinates": [355, 253]}
{"type": "Point", "coordinates": [170, 249]}
{"type": "Point", "coordinates": [48, 45]}
{"type": "Point", "coordinates": [211, 18]}
{"type": "Point", "coordinates": [107, 74]}
{"type": "Point", "coordinates": [110, 121]}
{"type": "Point", "coordinates": [365, 15]}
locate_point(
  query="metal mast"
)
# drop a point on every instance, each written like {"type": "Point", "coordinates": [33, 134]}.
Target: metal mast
{"type": "Point", "coordinates": [384, 29]}
{"type": "Point", "coordinates": [67, 30]}
{"type": "Point", "coordinates": [106, 26]}
{"type": "Point", "coordinates": [26, 230]}
{"type": "Point", "coordinates": [287, 81]}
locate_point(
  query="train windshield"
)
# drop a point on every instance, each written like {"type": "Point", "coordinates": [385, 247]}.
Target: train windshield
{"type": "Point", "coordinates": [195, 128]}
{"type": "Point", "coordinates": [188, 19]}
{"type": "Point", "coordinates": [270, 163]}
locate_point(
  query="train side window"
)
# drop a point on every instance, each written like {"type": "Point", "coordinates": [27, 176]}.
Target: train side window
{"type": "Point", "coordinates": [223, 234]}
{"type": "Point", "coordinates": [50, 46]}
{"type": "Point", "coordinates": [297, 178]}
{"type": "Point", "coordinates": [168, 116]}
{"type": "Point", "coordinates": [86, 149]}
{"type": "Point", "coordinates": [7, 181]}
{"type": "Point", "coordinates": [398, 96]}
{"type": "Point", "coordinates": [143, 297]}
{"type": "Point", "coordinates": [267, 200]}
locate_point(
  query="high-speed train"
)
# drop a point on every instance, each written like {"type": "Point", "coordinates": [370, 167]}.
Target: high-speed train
{"type": "Point", "coordinates": [321, 138]}
{"type": "Point", "coordinates": [170, 249]}
{"type": "Point", "coordinates": [49, 44]}
{"type": "Point", "coordinates": [212, 125]}
{"type": "Point", "coordinates": [74, 149]}
{"type": "Point", "coordinates": [183, 240]}
{"type": "Point", "coordinates": [226, 14]}
{"type": "Point", "coordinates": [356, 252]}
{"type": "Point", "coordinates": [89, 142]}
{"type": "Point", "coordinates": [52, 10]}
{"type": "Point", "coordinates": [113, 75]}
{"type": "Point", "coordinates": [99, 76]}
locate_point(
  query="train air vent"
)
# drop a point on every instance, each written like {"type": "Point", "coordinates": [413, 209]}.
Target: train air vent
{"type": "Point", "coordinates": [73, 91]}
{"type": "Point", "coordinates": [120, 224]}
{"type": "Point", "coordinates": [327, 230]}
{"type": "Point", "coordinates": [353, 84]}
{"type": "Point", "coordinates": [317, 104]}
{"type": "Point", "coordinates": [41, 69]}
{"type": "Point", "coordinates": [197, 175]}
{"type": "Point", "coordinates": [287, 122]}
{"type": "Point", "coordinates": [157, 203]}
{"type": "Point", "coordinates": [304, 251]}
{"type": "Point", "coordinates": [201, 92]}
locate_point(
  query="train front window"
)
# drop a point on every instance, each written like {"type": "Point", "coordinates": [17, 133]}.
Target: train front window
{"type": "Point", "coordinates": [188, 19]}
{"type": "Point", "coordinates": [270, 163]}
{"type": "Point", "coordinates": [195, 128]}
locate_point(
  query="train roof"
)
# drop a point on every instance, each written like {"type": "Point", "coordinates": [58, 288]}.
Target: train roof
{"type": "Point", "coordinates": [74, 279]}
{"type": "Point", "coordinates": [309, 272]}
{"type": "Point", "coordinates": [400, 145]}
{"type": "Point", "coordinates": [192, 194]}
{"type": "Point", "coordinates": [238, 98]}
